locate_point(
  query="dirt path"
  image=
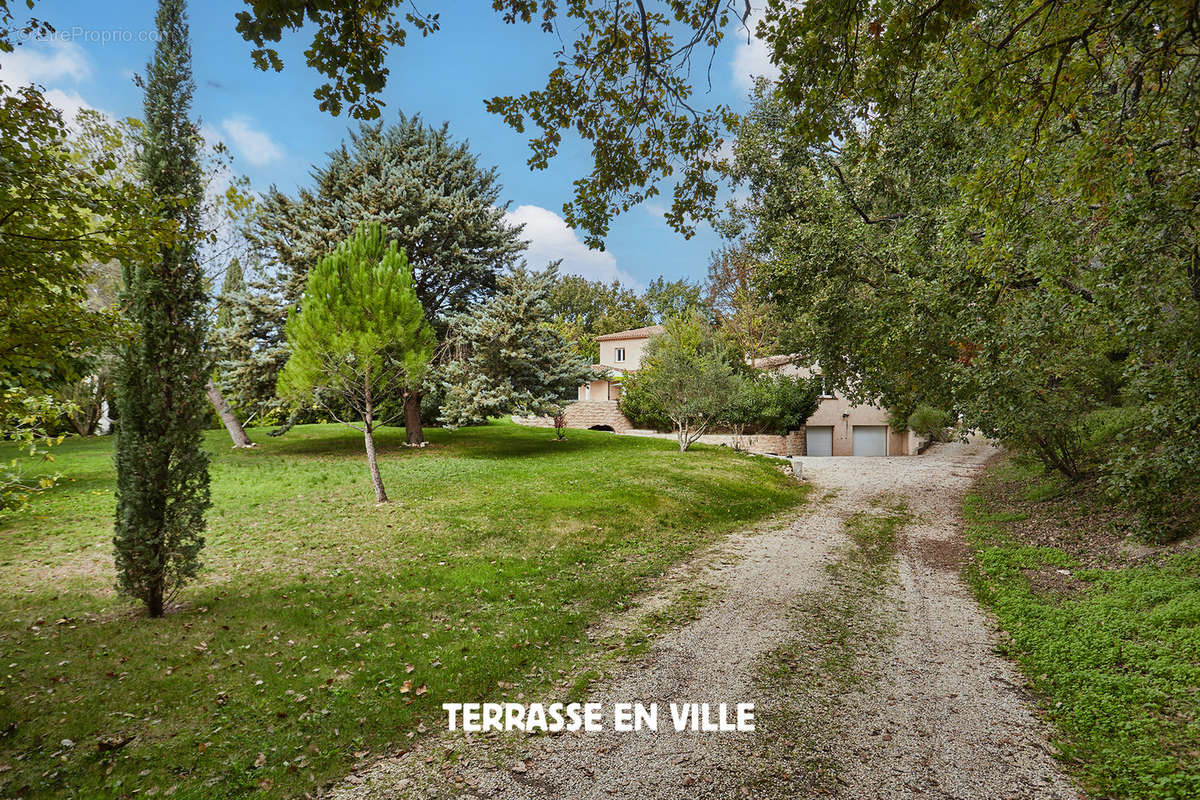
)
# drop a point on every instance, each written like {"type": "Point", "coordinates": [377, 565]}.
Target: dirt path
{"type": "Point", "coordinates": [941, 717]}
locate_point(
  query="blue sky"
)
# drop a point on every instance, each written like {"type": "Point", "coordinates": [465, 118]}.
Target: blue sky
{"type": "Point", "coordinates": [273, 127]}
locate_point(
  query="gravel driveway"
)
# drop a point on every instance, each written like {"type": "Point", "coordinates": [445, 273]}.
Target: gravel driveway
{"type": "Point", "coordinates": [941, 715]}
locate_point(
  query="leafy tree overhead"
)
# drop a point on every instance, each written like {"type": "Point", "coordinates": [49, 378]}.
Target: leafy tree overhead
{"type": "Point", "coordinates": [359, 337]}
{"type": "Point", "coordinates": [507, 357]}
{"type": "Point", "coordinates": [162, 470]}
{"type": "Point", "coordinates": [432, 198]}
{"type": "Point", "coordinates": [982, 208]}
{"type": "Point", "coordinates": [622, 81]}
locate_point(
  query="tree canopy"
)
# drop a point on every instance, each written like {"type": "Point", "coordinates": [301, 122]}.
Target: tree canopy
{"type": "Point", "coordinates": [431, 197]}
{"type": "Point", "coordinates": [359, 338]}
{"type": "Point", "coordinates": [990, 209]}
{"type": "Point", "coordinates": [506, 356]}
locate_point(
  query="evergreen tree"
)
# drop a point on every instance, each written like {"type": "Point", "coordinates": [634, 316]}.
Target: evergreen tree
{"type": "Point", "coordinates": [232, 287]}
{"type": "Point", "coordinates": [359, 336]}
{"type": "Point", "coordinates": [162, 471]}
{"type": "Point", "coordinates": [433, 200]}
{"type": "Point", "coordinates": [507, 355]}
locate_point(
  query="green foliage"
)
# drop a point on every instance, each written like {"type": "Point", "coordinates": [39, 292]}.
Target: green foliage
{"type": "Point", "coordinates": [677, 298]}
{"type": "Point", "coordinates": [433, 200]}
{"type": "Point", "coordinates": [360, 334]}
{"type": "Point", "coordinates": [785, 402]}
{"type": "Point", "coordinates": [162, 472]}
{"type": "Point", "coordinates": [641, 407]}
{"type": "Point", "coordinates": [929, 421]}
{"type": "Point", "coordinates": [583, 310]}
{"type": "Point", "coordinates": [354, 593]}
{"type": "Point", "coordinates": [753, 324]}
{"type": "Point", "coordinates": [507, 356]}
{"type": "Point", "coordinates": [769, 402]}
{"type": "Point", "coordinates": [25, 423]}
{"type": "Point", "coordinates": [962, 229]}
{"type": "Point", "coordinates": [62, 211]}
{"type": "Point", "coordinates": [686, 372]}
{"type": "Point", "coordinates": [1114, 658]}
{"type": "Point", "coordinates": [232, 287]}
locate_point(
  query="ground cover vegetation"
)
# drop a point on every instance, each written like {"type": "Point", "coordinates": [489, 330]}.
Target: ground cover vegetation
{"type": "Point", "coordinates": [323, 630]}
{"type": "Point", "coordinates": [1108, 632]}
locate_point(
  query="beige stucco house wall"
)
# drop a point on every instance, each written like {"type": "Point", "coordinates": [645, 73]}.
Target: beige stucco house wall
{"type": "Point", "coordinates": [836, 426]}
{"type": "Point", "coordinates": [620, 353]}
{"type": "Point", "coordinates": [842, 416]}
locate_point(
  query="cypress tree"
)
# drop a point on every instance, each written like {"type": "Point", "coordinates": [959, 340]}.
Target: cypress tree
{"type": "Point", "coordinates": [162, 472]}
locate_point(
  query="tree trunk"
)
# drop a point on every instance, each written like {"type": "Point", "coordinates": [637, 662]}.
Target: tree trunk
{"type": "Point", "coordinates": [413, 433]}
{"type": "Point", "coordinates": [236, 431]}
{"type": "Point", "coordinates": [376, 480]}
{"type": "Point", "coordinates": [369, 440]}
{"type": "Point", "coordinates": [154, 598]}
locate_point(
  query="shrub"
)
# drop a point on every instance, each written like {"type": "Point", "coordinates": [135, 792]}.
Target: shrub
{"type": "Point", "coordinates": [640, 406]}
{"type": "Point", "coordinates": [929, 421]}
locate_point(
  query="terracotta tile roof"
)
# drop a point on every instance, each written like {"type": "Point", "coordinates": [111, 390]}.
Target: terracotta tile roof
{"type": "Point", "coordinates": [607, 368]}
{"type": "Point", "coordinates": [636, 333]}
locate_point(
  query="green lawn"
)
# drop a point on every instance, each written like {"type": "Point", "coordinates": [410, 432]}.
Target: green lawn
{"type": "Point", "coordinates": [1109, 635]}
{"type": "Point", "coordinates": [326, 630]}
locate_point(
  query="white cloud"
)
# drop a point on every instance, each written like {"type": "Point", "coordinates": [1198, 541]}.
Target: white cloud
{"type": "Point", "coordinates": [50, 65]}
{"type": "Point", "coordinates": [256, 146]}
{"type": "Point", "coordinates": [549, 239]}
{"type": "Point", "coordinates": [752, 58]}
{"type": "Point", "coordinates": [44, 64]}
{"type": "Point", "coordinates": [68, 101]}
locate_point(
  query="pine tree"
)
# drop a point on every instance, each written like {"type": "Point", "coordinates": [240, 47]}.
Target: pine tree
{"type": "Point", "coordinates": [433, 199]}
{"type": "Point", "coordinates": [162, 471]}
{"type": "Point", "coordinates": [232, 287]}
{"type": "Point", "coordinates": [359, 337]}
{"type": "Point", "coordinates": [508, 355]}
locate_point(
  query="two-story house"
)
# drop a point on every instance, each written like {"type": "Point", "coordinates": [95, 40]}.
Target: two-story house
{"type": "Point", "coordinates": [838, 428]}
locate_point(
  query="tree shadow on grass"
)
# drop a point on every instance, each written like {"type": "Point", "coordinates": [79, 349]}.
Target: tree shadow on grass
{"type": "Point", "coordinates": [490, 441]}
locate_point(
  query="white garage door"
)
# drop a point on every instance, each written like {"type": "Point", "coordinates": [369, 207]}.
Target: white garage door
{"type": "Point", "coordinates": [820, 440]}
{"type": "Point", "coordinates": [870, 440]}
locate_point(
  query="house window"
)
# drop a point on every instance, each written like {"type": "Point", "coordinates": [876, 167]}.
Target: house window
{"type": "Point", "coordinates": [826, 388]}
{"type": "Point", "coordinates": [587, 392]}
{"type": "Point", "coordinates": [620, 354]}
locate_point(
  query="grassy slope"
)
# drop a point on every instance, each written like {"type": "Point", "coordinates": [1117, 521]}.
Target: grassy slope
{"type": "Point", "coordinates": [500, 547]}
{"type": "Point", "coordinates": [1109, 638]}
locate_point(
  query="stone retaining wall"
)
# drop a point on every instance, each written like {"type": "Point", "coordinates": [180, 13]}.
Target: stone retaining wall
{"type": "Point", "coordinates": [585, 414]}
{"type": "Point", "coordinates": [591, 413]}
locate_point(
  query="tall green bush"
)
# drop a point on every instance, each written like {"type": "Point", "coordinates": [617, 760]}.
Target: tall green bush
{"type": "Point", "coordinates": [162, 469]}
